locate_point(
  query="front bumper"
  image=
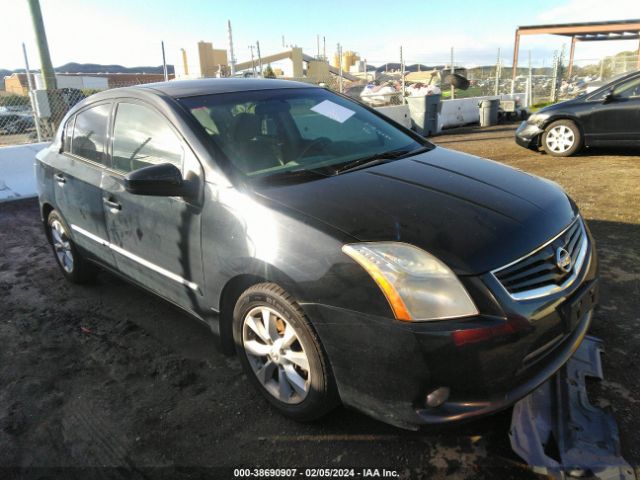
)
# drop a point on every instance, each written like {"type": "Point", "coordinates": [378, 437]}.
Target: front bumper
{"type": "Point", "coordinates": [386, 368]}
{"type": "Point", "coordinates": [528, 135]}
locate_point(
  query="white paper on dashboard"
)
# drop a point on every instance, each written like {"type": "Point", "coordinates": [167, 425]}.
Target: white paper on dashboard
{"type": "Point", "coordinates": [333, 111]}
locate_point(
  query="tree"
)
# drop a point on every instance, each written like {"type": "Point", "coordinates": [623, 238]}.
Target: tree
{"type": "Point", "coordinates": [268, 72]}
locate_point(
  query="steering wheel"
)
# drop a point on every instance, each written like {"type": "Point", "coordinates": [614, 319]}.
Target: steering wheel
{"type": "Point", "coordinates": [316, 143]}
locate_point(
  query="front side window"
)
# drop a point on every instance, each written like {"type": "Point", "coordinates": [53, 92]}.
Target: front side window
{"type": "Point", "coordinates": [628, 89]}
{"type": "Point", "coordinates": [143, 137]}
{"type": "Point", "coordinates": [269, 132]}
{"type": "Point", "coordinates": [90, 133]}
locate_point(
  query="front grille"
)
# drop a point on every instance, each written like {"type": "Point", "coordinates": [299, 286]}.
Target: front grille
{"type": "Point", "coordinates": [538, 273]}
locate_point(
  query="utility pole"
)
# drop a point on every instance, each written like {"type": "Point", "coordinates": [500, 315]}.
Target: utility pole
{"type": "Point", "coordinates": [253, 63]}
{"type": "Point", "coordinates": [282, 41]}
{"type": "Point", "coordinates": [48, 75]}
{"type": "Point", "coordinates": [232, 60]}
{"type": "Point", "coordinates": [259, 57]}
{"type": "Point", "coordinates": [30, 83]}
{"type": "Point", "coordinates": [318, 46]}
{"type": "Point", "coordinates": [164, 63]}
{"type": "Point", "coordinates": [324, 50]}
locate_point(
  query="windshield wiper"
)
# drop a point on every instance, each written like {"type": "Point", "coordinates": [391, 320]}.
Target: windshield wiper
{"type": "Point", "coordinates": [379, 158]}
{"type": "Point", "coordinates": [295, 175]}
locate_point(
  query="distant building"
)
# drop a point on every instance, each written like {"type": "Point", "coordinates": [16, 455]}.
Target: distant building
{"type": "Point", "coordinates": [203, 61]}
{"type": "Point", "coordinates": [349, 59]}
{"type": "Point", "coordinates": [74, 81]}
{"type": "Point", "coordinates": [17, 82]}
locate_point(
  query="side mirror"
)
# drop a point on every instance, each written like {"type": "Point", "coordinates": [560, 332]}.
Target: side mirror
{"type": "Point", "coordinates": [162, 180]}
{"type": "Point", "coordinates": [609, 97]}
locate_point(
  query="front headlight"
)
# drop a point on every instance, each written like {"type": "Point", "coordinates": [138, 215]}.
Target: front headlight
{"type": "Point", "coordinates": [417, 285]}
{"type": "Point", "coordinates": [537, 118]}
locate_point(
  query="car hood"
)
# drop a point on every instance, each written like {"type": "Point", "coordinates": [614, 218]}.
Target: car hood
{"type": "Point", "coordinates": [561, 105]}
{"type": "Point", "coordinates": [473, 214]}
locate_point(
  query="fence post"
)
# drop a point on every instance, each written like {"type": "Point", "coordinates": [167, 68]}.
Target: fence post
{"type": "Point", "coordinates": [259, 58]}
{"type": "Point", "coordinates": [554, 82]}
{"type": "Point", "coordinates": [340, 70]}
{"type": "Point", "coordinates": [253, 63]}
{"type": "Point", "coordinates": [164, 63]}
{"type": "Point", "coordinates": [453, 89]}
{"type": "Point", "coordinates": [36, 120]}
{"type": "Point", "coordinates": [402, 73]}
{"type": "Point", "coordinates": [497, 87]}
{"type": "Point", "coordinates": [530, 84]}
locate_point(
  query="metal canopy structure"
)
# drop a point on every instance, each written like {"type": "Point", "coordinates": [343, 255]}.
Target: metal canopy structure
{"type": "Point", "coordinates": [581, 32]}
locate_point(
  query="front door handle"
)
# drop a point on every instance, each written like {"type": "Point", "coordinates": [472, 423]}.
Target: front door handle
{"type": "Point", "coordinates": [60, 178]}
{"type": "Point", "coordinates": [113, 206]}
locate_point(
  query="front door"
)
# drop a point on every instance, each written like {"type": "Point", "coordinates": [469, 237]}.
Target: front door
{"type": "Point", "coordinates": [618, 120]}
{"type": "Point", "coordinates": [156, 239]}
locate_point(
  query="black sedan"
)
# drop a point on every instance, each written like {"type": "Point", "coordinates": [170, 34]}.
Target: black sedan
{"type": "Point", "coordinates": [341, 256]}
{"type": "Point", "coordinates": [609, 116]}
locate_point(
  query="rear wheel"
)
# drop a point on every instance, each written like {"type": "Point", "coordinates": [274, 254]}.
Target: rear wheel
{"type": "Point", "coordinates": [561, 138]}
{"type": "Point", "coordinates": [73, 265]}
{"type": "Point", "coordinates": [281, 353]}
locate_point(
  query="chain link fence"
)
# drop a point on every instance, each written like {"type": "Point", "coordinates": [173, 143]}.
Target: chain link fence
{"type": "Point", "coordinates": [30, 118]}
{"type": "Point", "coordinates": [538, 84]}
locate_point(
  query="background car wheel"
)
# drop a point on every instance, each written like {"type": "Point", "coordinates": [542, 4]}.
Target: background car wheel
{"type": "Point", "coordinates": [73, 265]}
{"type": "Point", "coordinates": [561, 138]}
{"type": "Point", "coordinates": [281, 353]}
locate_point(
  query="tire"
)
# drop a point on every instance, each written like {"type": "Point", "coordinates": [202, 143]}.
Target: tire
{"type": "Point", "coordinates": [561, 138]}
{"type": "Point", "coordinates": [73, 265]}
{"type": "Point", "coordinates": [457, 80]}
{"type": "Point", "coordinates": [264, 320]}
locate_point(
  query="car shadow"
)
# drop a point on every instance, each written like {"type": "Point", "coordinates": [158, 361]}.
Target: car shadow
{"type": "Point", "coordinates": [609, 152]}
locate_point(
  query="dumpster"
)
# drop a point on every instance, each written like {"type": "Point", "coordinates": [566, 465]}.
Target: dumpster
{"type": "Point", "coordinates": [424, 111]}
{"type": "Point", "coordinates": [489, 112]}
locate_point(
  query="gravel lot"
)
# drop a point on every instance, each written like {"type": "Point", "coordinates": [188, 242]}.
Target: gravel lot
{"type": "Point", "coordinates": [109, 381]}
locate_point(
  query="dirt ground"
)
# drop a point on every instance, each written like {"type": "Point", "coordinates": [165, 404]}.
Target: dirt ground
{"type": "Point", "coordinates": [107, 381]}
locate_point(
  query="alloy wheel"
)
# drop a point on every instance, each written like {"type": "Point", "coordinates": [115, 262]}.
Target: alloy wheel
{"type": "Point", "coordinates": [276, 355]}
{"type": "Point", "coordinates": [560, 139]}
{"type": "Point", "coordinates": [62, 246]}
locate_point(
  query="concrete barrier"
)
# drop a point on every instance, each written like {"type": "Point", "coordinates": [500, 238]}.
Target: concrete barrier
{"type": "Point", "coordinates": [399, 113]}
{"type": "Point", "coordinates": [17, 176]}
{"type": "Point", "coordinates": [463, 111]}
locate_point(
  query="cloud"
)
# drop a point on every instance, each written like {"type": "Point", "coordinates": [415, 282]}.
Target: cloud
{"type": "Point", "coordinates": [591, 11]}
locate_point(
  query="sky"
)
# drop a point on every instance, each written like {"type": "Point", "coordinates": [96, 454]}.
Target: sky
{"type": "Point", "coordinates": [128, 32]}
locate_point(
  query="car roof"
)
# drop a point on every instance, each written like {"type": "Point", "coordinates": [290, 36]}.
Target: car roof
{"type": "Point", "coordinates": [208, 86]}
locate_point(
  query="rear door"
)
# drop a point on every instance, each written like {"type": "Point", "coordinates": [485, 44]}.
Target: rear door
{"type": "Point", "coordinates": [156, 239]}
{"type": "Point", "coordinates": [618, 120]}
{"type": "Point", "coordinates": [78, 173]}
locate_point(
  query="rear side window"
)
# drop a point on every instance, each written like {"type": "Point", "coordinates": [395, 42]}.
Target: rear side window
{"type": "Point", "coordinates": [143, 137]}
{"type": "Point", "coordinates": [90, 133]}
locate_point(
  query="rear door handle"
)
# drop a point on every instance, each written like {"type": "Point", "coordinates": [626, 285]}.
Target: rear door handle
{"type": "Point", "coordinates": [113, 206]}
{"type": "Point", "coordinates": [60, 178]}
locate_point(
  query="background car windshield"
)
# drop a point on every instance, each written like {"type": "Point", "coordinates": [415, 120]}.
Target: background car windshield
{"type": "Point", "coordinates": [268, 132]}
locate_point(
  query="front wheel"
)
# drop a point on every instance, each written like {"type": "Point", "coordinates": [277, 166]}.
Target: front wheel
{"type": "Point", "coordinates": [561, 138]}
{"type": "Point", "coordinates": [281, 353]}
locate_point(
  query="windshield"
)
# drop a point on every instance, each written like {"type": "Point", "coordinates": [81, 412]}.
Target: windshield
{"type": "Point", "coordinates": [287, 132]}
